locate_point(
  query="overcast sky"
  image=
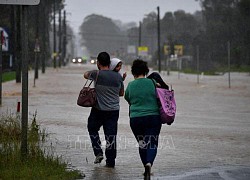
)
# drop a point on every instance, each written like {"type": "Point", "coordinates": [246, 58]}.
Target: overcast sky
{"type": "Point", "coordinates": [124, 10]}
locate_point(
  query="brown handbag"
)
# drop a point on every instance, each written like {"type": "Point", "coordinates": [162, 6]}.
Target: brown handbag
{"type": "Point", "coordinates": [87, 95]}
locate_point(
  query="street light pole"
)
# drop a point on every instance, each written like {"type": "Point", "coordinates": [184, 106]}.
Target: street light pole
{"type": "Point", "coordinates": [158, 32]}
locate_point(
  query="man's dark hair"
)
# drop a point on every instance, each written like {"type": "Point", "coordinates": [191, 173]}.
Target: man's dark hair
{"type": "Point", "coordinates": [103, 58]}
{"type": "Point", "coordinates": [139, 67]}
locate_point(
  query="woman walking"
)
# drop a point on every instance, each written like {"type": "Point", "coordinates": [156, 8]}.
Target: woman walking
{"type": "Point", "coordinates": [144, 114]}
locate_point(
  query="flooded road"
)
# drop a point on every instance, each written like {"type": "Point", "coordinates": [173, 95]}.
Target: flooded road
{"type": "Point", "coordinates": [208, 140]}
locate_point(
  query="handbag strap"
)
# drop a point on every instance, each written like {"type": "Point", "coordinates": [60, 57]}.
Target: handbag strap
{"type": "Point", "coordinates": [153, 83]}
{"type": "Point", "coordinates": [97, 74]}
{"type": "Point", "coordinates": [87, 82]}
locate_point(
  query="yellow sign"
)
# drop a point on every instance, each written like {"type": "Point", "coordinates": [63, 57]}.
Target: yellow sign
{"type": "Point", "coordinates": [178, 49]}
{"type": "Point", "coordinates": [142, 50]}
{"type": "Point", "coordinates": [54, 54]}
{"type": "Point", "coordinates": [166, 49]}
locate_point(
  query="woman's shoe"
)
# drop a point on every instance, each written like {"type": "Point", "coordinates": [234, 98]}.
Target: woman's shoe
{"type": "Point", "coordinates": [98, 159]}
{"type": "Point", "coordinates": [147, 172]}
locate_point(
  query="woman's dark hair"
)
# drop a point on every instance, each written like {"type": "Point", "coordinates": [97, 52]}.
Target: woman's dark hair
{"type": "Point", "coordinates": [103, 58]}
{"type": "Point", "coordinates": [139, 67]}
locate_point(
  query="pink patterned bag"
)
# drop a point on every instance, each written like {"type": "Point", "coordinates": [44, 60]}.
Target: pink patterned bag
{"type": "Point", "coordinates": [168, 105]}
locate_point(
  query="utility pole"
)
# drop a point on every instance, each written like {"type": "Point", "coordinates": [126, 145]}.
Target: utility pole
{"type": "Point", "coordinates": [13, 38]}
{"type": "Point", "coordinates": [60, 39]}
{"type": "Point", "coordinates": [139, 40]}
{"type": "Point", "coordinates": [24, 29]}
{"type": "Point", "coordinates": [1, 65]}
{"type": "Point", "coordinates": [37, 48]}
{"type": "Point", "coordinates": [159, 45]}
{"type": "Point", "coordinates": [43, 34]}
{"type": "Point", "coordinates": [139, 43]}
{"type": "Point", "coordinates": [198, 63]}
{"type": "Point", "coordinates": [18, 46]}
{"type": "Point", "coordinates": [54, 32]}
{"type": "Point", "coordinates": [64, 37]}
{"type": "Point", "coordinates": [229, 63]}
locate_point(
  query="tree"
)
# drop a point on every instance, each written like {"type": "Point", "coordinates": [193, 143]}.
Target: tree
{"type": "Point", "coordinates": [244, 31]}
{"type": "Point", "coordinates": [102, 34]}
{"type": "Point", "coordinates": [224, 21]}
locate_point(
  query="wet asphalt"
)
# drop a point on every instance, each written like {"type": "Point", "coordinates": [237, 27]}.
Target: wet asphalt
{"type": "Point", "coordinates": [208, 140]}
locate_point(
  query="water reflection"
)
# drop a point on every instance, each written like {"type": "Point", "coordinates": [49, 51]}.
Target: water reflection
{"type": "Point", "coordinates": [102, 172]}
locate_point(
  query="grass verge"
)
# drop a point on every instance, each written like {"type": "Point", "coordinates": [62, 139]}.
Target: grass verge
{"type": "Point", "coordinates": [40, 163]}
{"type": "Point", "coordinates": [9, 76]}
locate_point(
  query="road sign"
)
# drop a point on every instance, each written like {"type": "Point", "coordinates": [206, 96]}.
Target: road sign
{"type": "Point", "coordinates": [20, 2]}
{"type": "Point", "coordinates": [4, 39]}
{"type": "Point", "coordinates": [178, 49]}
{"type": "Point", "coordinates": [142, 51]}
{"type": "Point", "coordinates": [131, 49]}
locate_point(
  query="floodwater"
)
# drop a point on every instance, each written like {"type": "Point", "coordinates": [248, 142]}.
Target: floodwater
{"type": "Point", "coordinates": [208, 140]}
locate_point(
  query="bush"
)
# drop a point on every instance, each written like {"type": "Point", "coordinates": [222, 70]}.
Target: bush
{"type": "Point", "coordinates": [39, 162]}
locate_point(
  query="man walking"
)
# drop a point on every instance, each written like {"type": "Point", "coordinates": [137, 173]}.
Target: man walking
{"type": "Point", "coordinates": [109, 86]}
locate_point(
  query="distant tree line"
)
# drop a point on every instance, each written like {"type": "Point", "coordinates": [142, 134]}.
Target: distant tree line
{"type": "Point", "coordinates": [225, 21]}
{"type": "Point", "coordinates": [102, 34]}
{"type": "Point", "coordinates": [218, 23]}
